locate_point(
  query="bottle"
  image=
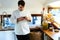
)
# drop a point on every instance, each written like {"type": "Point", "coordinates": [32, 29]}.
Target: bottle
{"type": "Point", "coordinates": [45, 25]}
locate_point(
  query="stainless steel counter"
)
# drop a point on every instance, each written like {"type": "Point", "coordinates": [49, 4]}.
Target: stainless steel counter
{"type": "Point", "coordinates": [6, 29]}
{"type": "Point", "coordinates": [7, 34]}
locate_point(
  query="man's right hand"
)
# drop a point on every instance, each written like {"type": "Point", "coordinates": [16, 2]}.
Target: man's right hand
{"type": "Point", "coordinates": [20, 19]}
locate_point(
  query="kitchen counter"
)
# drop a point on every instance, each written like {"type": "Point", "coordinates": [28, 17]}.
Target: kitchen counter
{"type": "Point", "coordinates": [6, 29]}
{"type": "Point", "coordinates": [7, 35]}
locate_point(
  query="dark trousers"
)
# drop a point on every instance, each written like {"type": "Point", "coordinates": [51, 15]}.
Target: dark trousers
{"type": "Point", "coordinates": [23, 37]}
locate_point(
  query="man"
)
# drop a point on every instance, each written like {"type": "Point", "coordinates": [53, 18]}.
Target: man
{"type": "Point", "coordinates": [21, 18]}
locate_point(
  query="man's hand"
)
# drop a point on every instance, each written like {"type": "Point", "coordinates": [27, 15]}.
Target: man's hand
{"type": "Point", "coordinates": [20, 19]}
{"type": "Point", "coordinates": [27, 18]}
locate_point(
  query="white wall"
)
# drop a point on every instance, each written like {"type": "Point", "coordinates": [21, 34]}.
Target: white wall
{"type": "Point", "coordinates": [8, 5]}
{"type": "Point", "coordinates": [49, 1]}
{"type": "Point", "coordinates": [35, 6]}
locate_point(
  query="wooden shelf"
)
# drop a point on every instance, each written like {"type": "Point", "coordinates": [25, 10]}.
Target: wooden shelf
{"type": "Point", "coordinates": [36, 14]}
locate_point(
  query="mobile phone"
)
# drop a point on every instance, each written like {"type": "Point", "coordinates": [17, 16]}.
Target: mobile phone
{"type": "Point", "coordinates": [23, 17]}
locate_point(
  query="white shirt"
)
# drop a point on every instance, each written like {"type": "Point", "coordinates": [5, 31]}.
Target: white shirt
{"type": "Point", "coordinates": [22, 27]}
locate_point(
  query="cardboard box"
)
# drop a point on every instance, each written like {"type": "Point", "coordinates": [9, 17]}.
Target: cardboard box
{"type": "Point", "coordinates": [35, 36]}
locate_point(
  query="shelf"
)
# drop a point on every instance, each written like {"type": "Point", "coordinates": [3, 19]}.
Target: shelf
{"type": "Point", "coordinates": [36, 14]}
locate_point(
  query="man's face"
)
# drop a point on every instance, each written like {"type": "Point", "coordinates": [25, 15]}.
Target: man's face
{"type": "Point", "coordinates": [21, 8]}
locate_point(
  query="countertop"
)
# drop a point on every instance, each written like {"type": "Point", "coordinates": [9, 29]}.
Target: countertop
{"type": "Point", "coordinates": [8, 29]}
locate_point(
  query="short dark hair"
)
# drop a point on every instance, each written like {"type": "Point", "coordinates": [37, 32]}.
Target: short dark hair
{"type": "Point", "coordinates": [21, 2]}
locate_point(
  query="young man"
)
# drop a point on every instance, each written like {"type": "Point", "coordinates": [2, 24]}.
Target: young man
{"type": "Point", "coordinates": [21, 18]}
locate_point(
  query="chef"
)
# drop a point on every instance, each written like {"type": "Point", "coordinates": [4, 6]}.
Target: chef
{"type": "Point", "coordinates": [21, 18]}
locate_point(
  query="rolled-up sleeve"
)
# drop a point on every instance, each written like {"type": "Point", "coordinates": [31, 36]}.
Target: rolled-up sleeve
{"type": "Point", "coordinates": [29, 18]}
{"type": "Point", "coordinates": [13, 18]}
{"type": "Point", "coordinates": [29, 15]}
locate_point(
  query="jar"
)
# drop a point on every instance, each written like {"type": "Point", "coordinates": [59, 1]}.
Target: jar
{"type": "Point", "coordinates": [45, 25]}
